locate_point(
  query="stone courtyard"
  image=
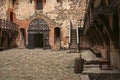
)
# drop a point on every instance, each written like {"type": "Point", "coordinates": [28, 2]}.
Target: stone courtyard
{"type": "Point", "coordinates": [37, 64]}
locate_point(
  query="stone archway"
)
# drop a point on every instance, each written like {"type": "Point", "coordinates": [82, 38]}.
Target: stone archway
{"type": "Point", "coordinates": [38, 34]}
{"type": "Point", "coordinates": [57, 39]}
{"type": "Point", "coordinates": [57, 34]}
{"type": "Point", "coordinates": [22, 38]}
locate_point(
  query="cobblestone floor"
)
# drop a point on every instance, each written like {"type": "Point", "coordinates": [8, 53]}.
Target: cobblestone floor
{"type": "Point", "coordinates": [36, 64]}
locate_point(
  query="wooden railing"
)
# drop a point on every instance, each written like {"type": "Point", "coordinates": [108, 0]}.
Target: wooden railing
{"type": "Point", "coordinates": [8, 34]}
{"type": "Point", "coordinates": [7, 25]}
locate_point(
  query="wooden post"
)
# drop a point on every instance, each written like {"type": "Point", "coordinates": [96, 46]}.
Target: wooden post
{"type": "Point", "coordinates": [111, 21]}
{"type": "Point", "coordinates": [119, 38]}
{"type": "Point", "coordinates": [91, 13]}
{"type": "Point", "coordinates": [119, 26]}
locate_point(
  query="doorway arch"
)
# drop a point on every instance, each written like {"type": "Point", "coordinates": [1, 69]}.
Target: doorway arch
{"type": "Point", "coordinates": [38, 34]}
{"type": "Point", "coordinates": [57, 33]}
{"type": "Point", "coordinates": [23, 37]}
{"type": "Point", "coordinates": [57, 38]}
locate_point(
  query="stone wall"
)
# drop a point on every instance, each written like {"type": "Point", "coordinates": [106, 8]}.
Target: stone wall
{"type": "Point", "coordinates": [3, 9]}
{"type": "Point", "coordinates": [23, 9]}
{"type": "Point", "coordinates": [60, 12]}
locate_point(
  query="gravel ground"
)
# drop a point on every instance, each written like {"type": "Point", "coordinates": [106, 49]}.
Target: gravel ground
{"type": "Point", "coordinates": [37, 64]}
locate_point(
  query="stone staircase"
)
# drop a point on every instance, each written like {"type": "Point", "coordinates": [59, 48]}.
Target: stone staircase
{"type": "Point", "coordinates": [73, 45]}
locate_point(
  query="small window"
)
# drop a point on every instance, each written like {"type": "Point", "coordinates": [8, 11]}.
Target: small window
{"type": "Point", "coordinates": [30, 1]}
{"type": "Point", "coordinates": [39, 4]}
{"type": "Point", "coordinates": [13, 2]}
{"type": "Point", "coordinates": [11, 16]}
{"type": "Point", "coordinates": [45, 1]}
{"type": "Point", "coordinates": [58, 0]}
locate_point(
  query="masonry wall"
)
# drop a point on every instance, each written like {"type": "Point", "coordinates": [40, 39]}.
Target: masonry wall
{"type": "Point", "coordinates": [58, 12]}
{"type": "Point", "coordinates": [3, 9]}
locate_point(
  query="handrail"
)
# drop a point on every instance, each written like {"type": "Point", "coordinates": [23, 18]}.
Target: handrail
{"type": "Point", "coordinates": [7, 25]}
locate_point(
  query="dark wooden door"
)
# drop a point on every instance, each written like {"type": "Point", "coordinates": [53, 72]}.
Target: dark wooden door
{"type": "Point", "coordinates": [38, 40]}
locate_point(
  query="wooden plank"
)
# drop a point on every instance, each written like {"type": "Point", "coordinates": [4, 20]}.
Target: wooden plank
{"type": "Point", "coordinates": [97, 3]}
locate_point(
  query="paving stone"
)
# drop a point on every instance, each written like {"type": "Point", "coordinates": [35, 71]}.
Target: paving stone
{"type": "Point", "coordinates": [36, 64]}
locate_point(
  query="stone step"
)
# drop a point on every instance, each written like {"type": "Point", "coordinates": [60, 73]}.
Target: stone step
{"type": "Point", "coordinates": [73, 50]}
{"type": "Point", "coordinates": [73, 38]}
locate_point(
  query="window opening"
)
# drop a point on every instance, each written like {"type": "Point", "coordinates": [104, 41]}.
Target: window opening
{"type": "Point", "coordinates": [39, 4]}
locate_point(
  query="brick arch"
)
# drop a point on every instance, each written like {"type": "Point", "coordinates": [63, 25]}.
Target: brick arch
{"type": "Point", "coordinates": [38, 34]}
{"type": "Point", "coordinates": [38, 14]}
{"type": "Point", "coordinates": [38, 25]}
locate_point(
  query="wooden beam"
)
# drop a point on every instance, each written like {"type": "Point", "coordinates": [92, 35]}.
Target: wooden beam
{"type": "Point", "coordinates": [91, 13]}
{"type": "Point", "coordinates": [115, 3]}
{"type": "Point", "coordinates": [111, 21]}
{"type": "Point", "coordinates": [103, 25]}
{"type": "Point", "coordinates": [96, 35]}
{"type": "Point", "coordinates": [91, 39]}
{"type": "Point", "coordinates": [99, 32]}
{"type": "Point", "coordinates": [97, 3]}
{"type": "Point", "coordinates": [105, 10]}
{"type": "Point", "coordinates": [119, 26]}
{"type": "Point", "coordinates": [107, 3]}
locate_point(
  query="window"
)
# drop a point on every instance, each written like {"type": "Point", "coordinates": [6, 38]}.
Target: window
{"type": "Point", "coordinates": [13, 2]}
{"type": "Point", "coordinates": [58, 0]}
{"type": "Point", "coordinates": [45, 1]}
{"type": "Point", "coordinates": [30, 1]}
{"type": "Point", "coordinates": [11, 16]}
{"type": "Point", "coordinates": [39, 4]}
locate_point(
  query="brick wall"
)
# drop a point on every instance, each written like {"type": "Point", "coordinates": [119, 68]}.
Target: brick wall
{"type": "Point", "coordinates": [53, 11]}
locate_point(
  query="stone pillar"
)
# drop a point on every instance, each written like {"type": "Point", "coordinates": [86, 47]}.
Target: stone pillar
{"type": "Point", "coordinates": [51, 37]}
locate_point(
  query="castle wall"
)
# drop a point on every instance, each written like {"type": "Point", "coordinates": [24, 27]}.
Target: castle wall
{"type": "Point", "coordinates": [58, 12]}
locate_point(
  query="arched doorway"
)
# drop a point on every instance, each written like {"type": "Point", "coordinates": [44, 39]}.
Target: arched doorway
{"type": "Point", "coordinates": [57, 38]}
{"type": "Point", "coordinates": [22, 37]}
{"type": "Point", "coordinates": [57, 33]}
{"type": "Point", "coordinates": [38, 34]}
